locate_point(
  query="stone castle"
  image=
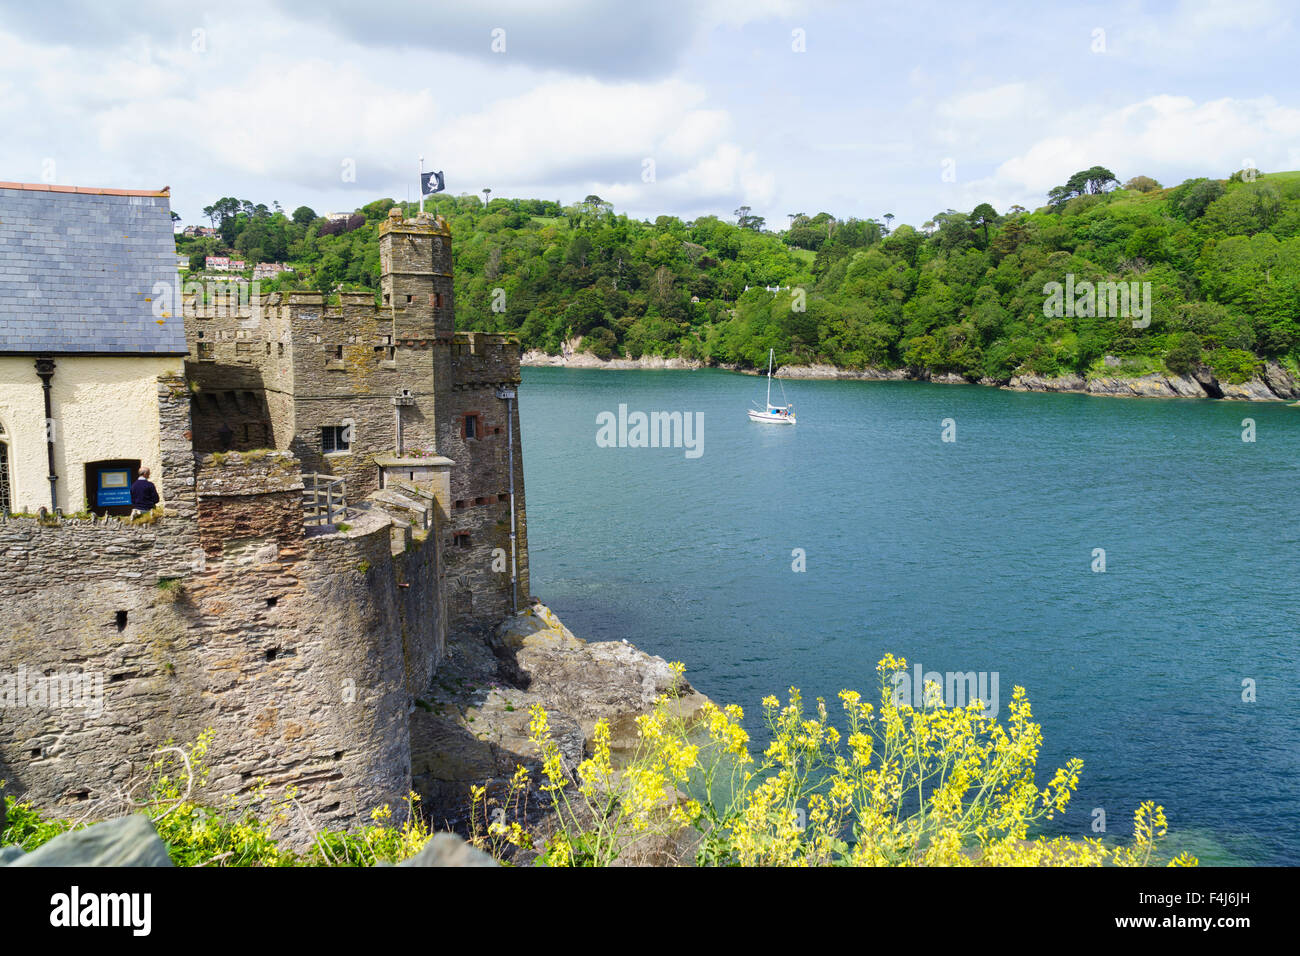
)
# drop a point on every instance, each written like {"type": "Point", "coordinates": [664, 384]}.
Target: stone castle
{"type": "Point", "coordinates": [342, 488]}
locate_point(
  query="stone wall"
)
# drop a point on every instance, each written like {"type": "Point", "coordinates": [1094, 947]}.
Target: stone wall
{"type": "Point", "coordinates": [418, 570]}
{"type": "Point", "coordinates": [351, 361]}
{"type": "Point", "coordinates": [478, 525]}
{"type": "Point", "coordinates": [389, 376]}
{"type": "Point", "coordinates": [295, 661]}
{"type": "Point", "coordinates": [249, 502]}
{"type": "Point", "coordinates": [241, 367]}
{"type": "Point", "coordinates": [301, 650]}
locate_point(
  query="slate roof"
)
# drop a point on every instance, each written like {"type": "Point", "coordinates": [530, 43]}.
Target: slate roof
{"type": "Point", "coordinates": [78, 268]}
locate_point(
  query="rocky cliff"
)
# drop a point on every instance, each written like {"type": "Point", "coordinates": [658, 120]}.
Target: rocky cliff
{"type": "Point", "coordinates": [1274, 383]}
{"type": "Point", "coordinates": [472, 728]}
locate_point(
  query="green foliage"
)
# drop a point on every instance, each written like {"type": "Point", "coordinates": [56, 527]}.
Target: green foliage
{"type": "Point", "coordinates": [1185, 353]}
{"type": "Point", "coordinates": [235, 833]}
{"type": "Point", "coordinates": [965, 296]}
{"type": "Point", "coordinates": [27, 827]}
{"type": "Point", "coordinates": [1142, 184]}
{"type": "Point", "coordinates": [1232, 365]}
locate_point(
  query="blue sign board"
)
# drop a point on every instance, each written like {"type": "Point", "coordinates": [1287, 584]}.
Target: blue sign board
{"type": "Point", "coordinates": [113, 487]}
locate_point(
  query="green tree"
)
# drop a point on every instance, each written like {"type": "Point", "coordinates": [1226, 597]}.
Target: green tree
{"type": "Point", "coordinates": [984, 215]}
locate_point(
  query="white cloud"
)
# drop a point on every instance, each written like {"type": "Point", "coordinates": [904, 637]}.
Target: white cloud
{"type": "Point", "coordinates": [573, 124]}
{"type": "Point", "coordinates": [1008, 101]}
{"type": "Point", "coordinates": [589, 90]}
{"type": "Point", "coordinates": [296, 123]}
{"type": "Point", "coordinates": [1168, 137]}
{"type": "Point", "coordinates": [292, 123]}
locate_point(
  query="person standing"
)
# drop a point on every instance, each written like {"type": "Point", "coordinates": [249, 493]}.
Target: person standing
{"type": "Point", "coordinates": [144, 496]}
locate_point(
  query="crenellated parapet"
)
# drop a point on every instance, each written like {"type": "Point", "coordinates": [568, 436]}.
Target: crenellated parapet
{"type": "Point", "coordinates": [482, 358]}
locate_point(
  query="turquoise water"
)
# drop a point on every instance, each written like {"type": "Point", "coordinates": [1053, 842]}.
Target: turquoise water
{"type": "Point", "coordinates": [972, 555]}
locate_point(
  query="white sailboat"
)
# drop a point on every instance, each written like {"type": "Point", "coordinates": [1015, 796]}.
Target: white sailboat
{"type": "Point", "coordinates": [772, 414]}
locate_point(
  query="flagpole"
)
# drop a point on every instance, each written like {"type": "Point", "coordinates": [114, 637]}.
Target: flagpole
{"type": "Point", "coordinates": [421, 185]}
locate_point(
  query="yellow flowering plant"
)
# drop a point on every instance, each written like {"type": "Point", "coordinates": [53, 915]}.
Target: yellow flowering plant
{"type": "Point", "coordinates": [901, 786]}
{"type": "Point", "coordinates": [497, 824]}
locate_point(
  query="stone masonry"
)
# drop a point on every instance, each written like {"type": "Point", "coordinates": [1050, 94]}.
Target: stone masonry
{"type": "Point", "coordinates": [387, 376]}
{"type": "Point", "coordinates": [302, 646]}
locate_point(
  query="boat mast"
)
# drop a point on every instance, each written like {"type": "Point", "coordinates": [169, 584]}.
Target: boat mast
{"type": "Point", "coordinates": [769, 377]}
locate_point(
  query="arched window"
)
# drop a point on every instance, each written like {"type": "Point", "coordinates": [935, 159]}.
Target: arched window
{"type": "Point", "coordinates": [6, 495]}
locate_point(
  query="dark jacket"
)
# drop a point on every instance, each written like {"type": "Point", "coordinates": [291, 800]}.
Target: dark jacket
{"type": "Point", "coordinates": [143, 495]}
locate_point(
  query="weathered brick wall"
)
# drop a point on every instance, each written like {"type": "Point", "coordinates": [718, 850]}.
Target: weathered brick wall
{"type": "Point", "coordinates": [416, 274]}
{"type": "Point", "coordinates": [175, 432]}
{"type": "Point", "coordinates": [423, 611]}
{"type": "Point", "coordinates": [348, 359]}
{"type": "Point", "coordinates": [301, 651]}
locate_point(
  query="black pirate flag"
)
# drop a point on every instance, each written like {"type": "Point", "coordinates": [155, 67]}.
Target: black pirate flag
{"type": "Point", "coordinates": [431, 183]}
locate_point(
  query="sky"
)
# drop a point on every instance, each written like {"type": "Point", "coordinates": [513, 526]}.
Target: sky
{"type": "Point", "coordinates": [679, 107]}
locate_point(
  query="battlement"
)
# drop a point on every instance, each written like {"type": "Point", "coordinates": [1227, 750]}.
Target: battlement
{"type": "Point", "coordinates": [480, 359]}
{"type": "Point", "coordinates": [250, 505]}
{"type": "Point", "coordinates": [303, 648]}
{"type": "Point", "coordinates": [262, 316]}
{"type": "Point", "coordinates": [425, 224]}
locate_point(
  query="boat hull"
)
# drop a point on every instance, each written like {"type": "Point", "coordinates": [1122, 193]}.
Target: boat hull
{"type": "Point", "coordinates": [767, 418]}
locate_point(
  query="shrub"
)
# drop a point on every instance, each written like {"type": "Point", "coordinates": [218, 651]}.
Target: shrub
{"type": "Point", "coordinates": [1232, 365]}
{"type": "Point", "coordinates": [901, 786]}
{"type": "Point", "coordinates": [27, 827]}
{"type": "Point", "coordinates": [1185, 354]}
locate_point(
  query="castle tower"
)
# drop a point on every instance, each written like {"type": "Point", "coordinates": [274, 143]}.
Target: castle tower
{"type": "Point", "coordinates": [475, 415]}
{"type": "Point", "coordinates": [415, 267]}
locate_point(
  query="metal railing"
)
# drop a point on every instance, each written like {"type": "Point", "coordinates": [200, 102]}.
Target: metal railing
{"type": "Point", "coordinates": [324, 499]}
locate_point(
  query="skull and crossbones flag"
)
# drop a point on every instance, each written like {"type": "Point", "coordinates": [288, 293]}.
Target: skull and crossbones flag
{"type": "Point", "coordinates": [431, 183]}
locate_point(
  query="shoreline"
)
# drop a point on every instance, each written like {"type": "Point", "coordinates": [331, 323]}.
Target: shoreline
{"type": "Point", "coordinates": [1276, 384]}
